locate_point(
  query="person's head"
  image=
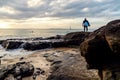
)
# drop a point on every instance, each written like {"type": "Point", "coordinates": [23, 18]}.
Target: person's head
{"type": "Point", "coordinates": [85, 19]}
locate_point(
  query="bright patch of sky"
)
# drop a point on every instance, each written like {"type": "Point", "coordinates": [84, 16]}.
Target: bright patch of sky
{"type": "Point", "coordinates": [57, 13]}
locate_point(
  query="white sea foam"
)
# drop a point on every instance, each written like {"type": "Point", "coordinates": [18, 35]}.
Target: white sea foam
{"type": "Point", "coordinates": [8, 54]}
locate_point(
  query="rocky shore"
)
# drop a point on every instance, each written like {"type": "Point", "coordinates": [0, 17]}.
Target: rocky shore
{"type": "Point", "coordinates": [70, 39]}
{"type": "Point", "coordinates": [74, 56]}
{"type": "Point", "coordinates": [101, 50]}
{"type": "Point", "coordinates": [59, 53]}
{"type": "Point", "coordinates": [50, 64]}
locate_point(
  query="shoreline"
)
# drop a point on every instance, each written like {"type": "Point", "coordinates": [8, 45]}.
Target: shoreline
{"type": "Point", "coordinates": [48, 55]}
{"type": "Point", "coordinates": [38, 60]}
{"type": "Point", "coordinates": [30, 44]}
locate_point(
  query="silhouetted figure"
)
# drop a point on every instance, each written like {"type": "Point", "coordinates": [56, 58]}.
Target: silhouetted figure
{"type": "Point", "coordinates": [85, 24]}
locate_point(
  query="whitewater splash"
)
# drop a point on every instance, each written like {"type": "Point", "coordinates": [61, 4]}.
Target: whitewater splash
{"type": "Point", "coordinates": [9, 54]}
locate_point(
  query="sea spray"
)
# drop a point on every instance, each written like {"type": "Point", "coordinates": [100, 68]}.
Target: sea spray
{"type": "Point", "coordinates": [9, 54]}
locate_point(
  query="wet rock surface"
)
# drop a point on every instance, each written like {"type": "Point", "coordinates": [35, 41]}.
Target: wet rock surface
{"type": "Point", "coordinates": [73, 68]}
{"type": "Point", "coordinates": [7, 44]}
{"type": "Point", "coordinates": [102, 50]}
{"type": "Point", "coordinates": [16, 71]}
{"type": "Point", "coordinates": [35, 46]}
{"type": "Point", "coordinates": [68, 66]}
{"type": "Point", "coordinates": [74, 38]}
{"type": "Point", "coordinates": [37, 72]}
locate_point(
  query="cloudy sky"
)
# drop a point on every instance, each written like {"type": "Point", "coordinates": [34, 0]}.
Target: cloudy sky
{"type": "Point", "coordinates": [46, 14]}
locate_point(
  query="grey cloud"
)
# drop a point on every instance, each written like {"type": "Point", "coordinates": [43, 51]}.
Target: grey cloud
{"type": "Point", "coordinates": [68, 10]}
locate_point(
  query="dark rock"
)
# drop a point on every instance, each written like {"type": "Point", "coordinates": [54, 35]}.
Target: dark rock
{"type": "Point", "coordinates": [5, 71]}
{"type": "Point", "coordinates": [35, 46]}
{"type": "Point", "coordinates": [34, 76]}
{"type": "Point", "coordinates": [11, 44]}
{"type": "Point", "coordinates": [10, 77]}
{"type": "Point", "coordinates": [59, 36]}
{"type": "Point", "coordinates": [39, 38]}
{"type": "Point", "coordinates": [73, 69]}
{"type": "Point", "coordinates": [112, 35]}
{"type": "Point", "coordinates": [1, 41]}
{"type": "Point", "coordinates": [75, 38]}
{"type": "Point", "coordinates": [56, 62]}
{"type": "Point", "coordinates": [26, 69]}
{"type": "Point", "coordinates": [39, 71]}
{"type": "Point", "coordinates": [58, 44]}
{"type": "Point", "coordinates": [21, 58]}
{"type": "Point", "coordinates": [2, 74]}
{"type": "Point", "coordinates": [70, 42]}
{"type": "Point", "coordinates": [76, 35]}
{"type": "Point", "coordinates": [18, 70]}
{"type": "Point", "coordinates": [100, 47]}
{"type": "Point", "coordinates": [95, 49]}
{"type": "Point", "coordinates": [56, 65]}
{"type": "Point", "coordinates": [55, 37]}
{"type": "Point", "coordinates": [102, 50]}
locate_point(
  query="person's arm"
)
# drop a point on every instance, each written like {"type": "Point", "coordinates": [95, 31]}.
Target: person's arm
{"type": "Point", "coordinates": [88, 23]}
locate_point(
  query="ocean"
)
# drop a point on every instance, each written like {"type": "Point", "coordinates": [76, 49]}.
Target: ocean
{"type": "Point", "coordinates": [32, 33]}
{"type": "Point", "coordinates": [28, 33]}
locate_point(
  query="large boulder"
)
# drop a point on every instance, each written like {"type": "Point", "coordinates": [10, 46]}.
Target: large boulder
{"type": "Point", "coordinates": [101, 50]}
{"type": "Point", "coordinates": [96, 49]}
{"type": "Point", "coordinates": [112, 35]}
{"type": "Point", "coordinates": [102, 46]}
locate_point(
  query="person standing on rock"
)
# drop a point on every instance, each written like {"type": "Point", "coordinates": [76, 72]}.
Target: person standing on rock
{"type": "Point", "coordinates": [85, 24]}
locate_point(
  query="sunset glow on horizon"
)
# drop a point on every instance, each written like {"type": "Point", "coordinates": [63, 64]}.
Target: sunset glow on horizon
{"type": "Point", "coordinates": [45, 14]}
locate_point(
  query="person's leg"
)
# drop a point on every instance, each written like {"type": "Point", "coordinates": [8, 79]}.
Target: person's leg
{"type": "Point", "coordinates": [86, 29]}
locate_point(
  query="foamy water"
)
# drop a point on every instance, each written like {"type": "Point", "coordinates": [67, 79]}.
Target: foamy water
{"type": "Point", "coordinates": [28, 33]}
{"type": "Point", "coordinates": [9, 54]}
